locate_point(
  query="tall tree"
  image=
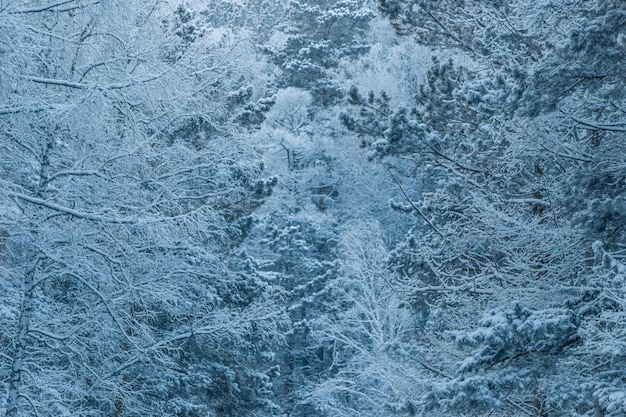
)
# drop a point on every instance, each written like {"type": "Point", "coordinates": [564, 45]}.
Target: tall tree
{"type": "Point", "coordinates": [118, 184]}
{"type": "Point", "coordinates": [518, 159]}
{"type": "Point", "coordinates": [317, 36]}
{"type": "Point", "coordinates": [370, 336]}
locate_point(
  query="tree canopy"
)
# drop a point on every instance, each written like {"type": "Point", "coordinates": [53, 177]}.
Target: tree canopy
{"type": "Point", "coordinates": [313, 208]}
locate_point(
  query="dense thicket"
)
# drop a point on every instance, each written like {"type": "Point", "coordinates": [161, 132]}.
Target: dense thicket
{"type": "Point", "coordinates": [121, 177]}
{"type": "Point", "coordinates": [518, 230]}
{"type": "Point", "coordinates": [205, 211]}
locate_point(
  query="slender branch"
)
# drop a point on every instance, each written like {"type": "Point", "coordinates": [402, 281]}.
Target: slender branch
{"type": "Point", "coordinates": [184, 170]}
{"type": "Point", "coordinates": [111, 261]}
{"type": "Point", "coordinates": [48, 334]}
{"type": "Point", "coordinates": [43, 8]}
{"type": "Point", "coordinates": [131, 83]}
{"type": "Point", "coordinates": [435, 370]}
{"type": "Point", "coordinates": [408, 199]}
{"type": "Point", "coordinates": [78, 6]}
{"type": "Point", "coordinates": [30, 402]}
{"type": "Point", "coordinates": [52, 81]}
{"type": "Point", "coordinates": [458, 164]}
{"type": "Point", "coordinates": [76, 173]}
{"type": "Point", "coordinates": [102, 298]}
{"type": "Point", "coordinates": [514, 404]}
{"type": "Point", "coordinates": [442, 289]}
{"type": "Point", "coordinates": [138, 358]}
{"type": "Point", "coordinates": [125, 365]}
{"type": "Point", "coordinates": [69, 211]}
{"type": "Point", "coordinates": [611, 127]}
{"type": "Point", "coordinates": [24, 109]}
{"type": "Point", "coordinates": [529, 201]}
{"type": "Point", "coordinates": [445, 30]}
{"type": "Point", "coordinates": [83, 86]}
{"type": "Point", "coordinates": [562, 155]}
{"type": "Point", "coordinates": [377, 110]}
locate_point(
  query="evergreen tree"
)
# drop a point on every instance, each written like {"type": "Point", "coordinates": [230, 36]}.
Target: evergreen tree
{"type": "Point", "coordinates": [297, 251]}
{"type": "Point", "coordinates": [513, 152]}
{"type": "Point", "coordinates": [311, 45]}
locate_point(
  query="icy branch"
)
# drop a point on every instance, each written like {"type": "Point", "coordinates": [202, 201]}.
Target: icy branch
{"type": "Point", "coordinates": [52, 81]}
{"type": "Point", "coordinates": [48, 334]}
{"type": "Point", "coordinates": [611, 127]}
{"type": "Point", "coordinates": [76, 173]}
{"type": "Point", "coordinates": [408, 199]}
{"type": "Point", "coordinates": [24, 109]}
{"type": "Point", "coordinates": [43, 8]}
{"type": "Point", "coordinates": [69, 211]}
{"type": "Point", "coordinates": [446, 289]}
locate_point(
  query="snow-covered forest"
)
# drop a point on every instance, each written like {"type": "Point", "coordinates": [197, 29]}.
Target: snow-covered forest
{"type": "Point", "coordinates": [333, 208]}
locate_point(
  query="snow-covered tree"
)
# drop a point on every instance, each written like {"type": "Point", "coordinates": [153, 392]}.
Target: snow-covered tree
{"type": "Point", "coordinates": [120, 176]}
{"type": "Point", "coordinates": [509, 160]}
{"type": "Point", "coordinates": [371, 336]}
{"type": "Point", "coordinates": [311, 45]}
{"type": "Point", "coordinates": [297, 252]}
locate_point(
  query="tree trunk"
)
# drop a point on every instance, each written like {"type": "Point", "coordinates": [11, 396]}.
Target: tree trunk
{"type": "Point", "coordinates": [21, 343]}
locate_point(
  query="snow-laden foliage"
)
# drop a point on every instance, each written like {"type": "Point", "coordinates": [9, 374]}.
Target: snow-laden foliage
{"type": "Point", "coordinates": [306, 208]}
{"type": "Point", "coordinates": [120, 178]}
{"type": "Point", "coordinates": [516, 147]}
{"type": "Point", "coordinates": [318, 35]}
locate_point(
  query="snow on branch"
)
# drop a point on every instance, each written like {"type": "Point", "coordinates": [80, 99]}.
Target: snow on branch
{"type": "Point", "coordinates": [69, 211]}
{"type": "Point", "coordinates": [611, 127]}
{"type": "Point", "coordinates": [446, 289]}
{"type": "Point", "coordinates": [52, 81]}
{"type": "Point", "coordinates": [45, 8]}
{"type": "Point", "coordinates": [24, 109]}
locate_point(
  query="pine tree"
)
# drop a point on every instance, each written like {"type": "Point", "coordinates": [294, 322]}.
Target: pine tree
{"type": "Point", "coordinates": [317, 36]}
{"type": "Point", "coordinates": [519, 191]}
